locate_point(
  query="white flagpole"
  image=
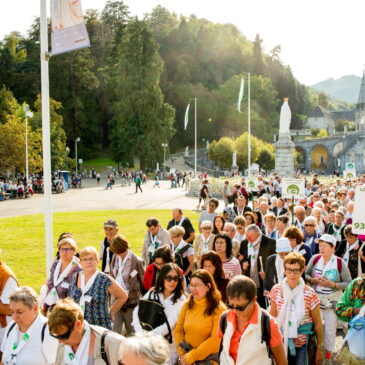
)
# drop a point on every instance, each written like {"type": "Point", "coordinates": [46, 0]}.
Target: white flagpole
{"type": "Point", "coordinates": [249, 124]}
{"type": "Point", "coordinates": [46, 135]}
{"type": "Point", "coordinates": [196, 141]}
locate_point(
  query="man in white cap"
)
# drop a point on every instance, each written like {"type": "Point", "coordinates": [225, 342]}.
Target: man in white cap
{"type": "Point", "coordinates": [275, 264]}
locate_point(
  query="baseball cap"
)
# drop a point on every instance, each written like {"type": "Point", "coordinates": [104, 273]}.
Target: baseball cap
{"type": "Point", "coordinates": [111, 223]}
{"type": "Point", "coordinates": [206, 224]}
{"type": "Point", "coordinates": [328, 238]}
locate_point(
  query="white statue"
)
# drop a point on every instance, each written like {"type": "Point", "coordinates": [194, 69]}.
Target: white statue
{"type": "Point", "coordinates": [187, 151]}
{"type": "Point", "coordinates": [234, 159]}
{"type": "Point", "coordinates": [207, 144]}
{"type": "Point", "coordinates": [338, 162]}
{"type": "Point", "coordinates": [285, 118]}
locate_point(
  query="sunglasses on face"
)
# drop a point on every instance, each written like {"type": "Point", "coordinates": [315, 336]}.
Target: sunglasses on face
{"type": "Point", "coordinates": [309, 225]}
{"type": "Point", "coordinates": [239, 308]}
{"type": "Point", "coordinates": [64, 336]}
{"type": "Point", "coordinates": [172, 278]}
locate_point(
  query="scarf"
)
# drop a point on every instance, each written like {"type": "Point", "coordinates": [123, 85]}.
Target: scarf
{"type": "Point", "coordinates": [18, 341]}
{"type": "Point", "coordinates": [121, 266]}
{"type": "Point", "coordinates": [292, 311]}
{"type": "Point", "coordinates": [279, 265]}
{"type": "Point", "coordinates": [85, 288]}
{"type": "Point", "coordinates": [82, 354]}
{"type": "Point", "coordinates": [152, 246]}
{"type": "Point", "coordinates": [329, 271]}
{"type": "Point", "coordinates": [253, 250]}
{"type": "Point", "coordinates": [5, 274]}
{"type": "Point", "coordinates": [346, 256]}
{"type": "Point", "coordinates": [180, 223]}
{"type": "Point", "coordinates": [205, 247]}
{"type": "Point", "coordinates": [52, 297]}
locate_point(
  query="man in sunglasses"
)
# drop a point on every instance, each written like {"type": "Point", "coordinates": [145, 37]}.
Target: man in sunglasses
{"type": "Point", "coordinates": [80, 341]}
{"type": "Point", "coordinates": [244, 325]}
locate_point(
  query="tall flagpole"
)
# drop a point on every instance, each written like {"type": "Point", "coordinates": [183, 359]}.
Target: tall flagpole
{"type": "Point", "coordinates": [249, 124]}
{"type": "Point", "coordinates": [46, 135]}
{"type": "Point", "coordinates": [196, 140]}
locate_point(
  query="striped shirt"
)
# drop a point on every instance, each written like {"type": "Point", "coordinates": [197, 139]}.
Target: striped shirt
{"type": "Point", "coordinates": [311, 301]}
{"type": "Point", "coordinates": [233, 266]}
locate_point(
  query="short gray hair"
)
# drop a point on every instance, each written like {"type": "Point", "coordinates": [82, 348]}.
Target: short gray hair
{"type": "Point", "coordinates": [152, 348]}
{"type": "Point", "coordinates": [310, 219]}
{"type": "Point", "coordinates": [230, 225]}
{"type": "Point", "coordinates": [253, 228]}
{"type": "Point", "coordinates": [25, 294]}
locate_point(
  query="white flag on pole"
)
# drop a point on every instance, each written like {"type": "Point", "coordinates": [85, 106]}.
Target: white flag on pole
{"type": "Point", "coordinates": [186, 121]}
{"type": "Point", "coordinates": [240, 95]}
{"type": "Point", "coordinates": [68, 27]}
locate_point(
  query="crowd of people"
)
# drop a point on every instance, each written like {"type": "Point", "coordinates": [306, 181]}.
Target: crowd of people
{"type": "Point", "coordinates": [267, 280]}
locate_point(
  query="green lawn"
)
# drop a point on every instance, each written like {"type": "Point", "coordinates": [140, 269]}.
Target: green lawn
{"type": "Point", "coordinates": [22, 238]}
{"type": "Point", "coordinates": [99, 164]}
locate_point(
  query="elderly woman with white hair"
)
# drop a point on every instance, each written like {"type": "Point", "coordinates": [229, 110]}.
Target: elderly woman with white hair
{"type": "Point", "coordinates": [61, 273]}
{"type": "Point", "coordinates": [144, 349]}
{"type": "Point", "coordinates": [27, 340]}
{"type": "Point", "coordinates": [321, 225]}
{"type": "Point", "coordinates": [311, 234]}
{"type": "Point", "coordinates": [203, 242]}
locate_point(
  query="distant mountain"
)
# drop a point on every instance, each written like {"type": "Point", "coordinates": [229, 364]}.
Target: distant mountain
{"type": "Point", "coordinates": [346, 88]}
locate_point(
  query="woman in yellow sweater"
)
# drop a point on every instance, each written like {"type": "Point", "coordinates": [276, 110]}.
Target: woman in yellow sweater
{"type": "Point", "coordinates": [196, 329]}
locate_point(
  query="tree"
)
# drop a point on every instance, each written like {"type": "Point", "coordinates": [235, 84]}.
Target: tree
{"type": "Point", "coordinates": [8, 105]}
{"type": "Point", "coordinates": [223, 150]}
{"type": "Point", "coordinates": [322, 133]}
{"type": "Point", "coordinates": [241, 147]}
{"type": "Point", "coordinates": [59, 156]}
{"type": "Point", "coordinates": [323, 100]}
{"type": "Point", "coordinates": [258, 62]}
{"type": "Point", "coordinates": [142, 121]}
{"type": "Point", "coordinates": [266, 159]}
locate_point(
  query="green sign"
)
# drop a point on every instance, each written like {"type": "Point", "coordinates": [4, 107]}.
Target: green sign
{"type": "Point", "coordinates": [251, 185]}
{"type": "Point", "coordinates": [293, 189]}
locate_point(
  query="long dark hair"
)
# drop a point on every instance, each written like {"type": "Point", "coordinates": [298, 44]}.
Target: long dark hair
{"type": "Point", "coordinates": [215, 230]}
{"type": "Point", "coordinates": [216, 261]}
{"type": "Point", "coordinates": [160, 287]}
{"type": "Point", "coordinates": [228, 243]}
{"type": "Point", "coordinates": [213, 296]}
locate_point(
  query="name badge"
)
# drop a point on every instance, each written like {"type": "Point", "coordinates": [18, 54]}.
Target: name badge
{"type": "Point", "coordinates": [303, 252]}
{"type": "Point", "coordinates": [133, 273]}
{"type": "Point", "coordinates": [88, 298]}
{"type": "Point", "coordinates": [151, 249]}
{"type": "Point", "coordinates": [65, 285]}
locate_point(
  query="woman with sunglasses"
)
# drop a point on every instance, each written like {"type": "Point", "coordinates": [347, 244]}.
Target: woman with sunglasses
{"type": "Point", "coordinates": [79, 341]}
{"type": "Point", "coordinates": [296, 307]}
{"type": "Point", "coordinates": [212, 262]}
{"type": "Point", "coordinates": [195, 334]}
{"type": "Point", "coordinates": [27, 340]}
{"type": "Point", "coordinates": [170, 290]}
{"type": "Point", "coordinates": [62, 273]}
{"type": "Point", "coordinates": [92, 289]}
{"type": "Point", "coordinates": [241, 335]}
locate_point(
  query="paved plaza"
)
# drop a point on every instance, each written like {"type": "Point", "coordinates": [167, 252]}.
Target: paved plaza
{"type": "Point", "coordinates": [93, 197]}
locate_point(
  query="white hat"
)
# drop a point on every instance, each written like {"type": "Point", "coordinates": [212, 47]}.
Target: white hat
{"type": "Point", "coordinates": [328, 238]}
{"type": "Point", "coordinates": [283, 245]}
{"type": "Point", "coordinates": [206, 224]}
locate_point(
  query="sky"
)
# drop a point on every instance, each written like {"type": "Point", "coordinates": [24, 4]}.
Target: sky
{"type": "Point", "coordinates": [319, 38]}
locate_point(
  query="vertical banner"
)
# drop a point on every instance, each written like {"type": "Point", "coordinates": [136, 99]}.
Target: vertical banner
{"type": "Point", "coordinates": [68, 27]}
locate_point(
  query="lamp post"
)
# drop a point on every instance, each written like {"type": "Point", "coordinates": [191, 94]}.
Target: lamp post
{"type": "Point", "coordinates": [164, 145]}
{"type": "Point", "coordinates": [76, 140]}
{"type": "Point", "coordinates": [28, 114]}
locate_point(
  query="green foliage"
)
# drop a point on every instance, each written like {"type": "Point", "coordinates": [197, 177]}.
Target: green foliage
{"type": "Point", "coordinates": [8, 105]}
{"type": "Point", "coordinates": [340, 125]}
{"type": "Point", "coordinates": [266, 159]}
{"type": "Point", "coordinates": [142, 121]}
{"type": "Point", "coordinates": [322, 133]}
{"type": "Point", "coordinates": [315, 131]}
{"type": "Point", "coordinates": [223, 150]}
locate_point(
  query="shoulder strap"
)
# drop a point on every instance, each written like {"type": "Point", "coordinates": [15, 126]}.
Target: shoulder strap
{"type": "Point", "coordinates": [316, 259]}
{"type": "Point", "coordinates": [43, 331]}
{"type": "Point", "coordinates": [222, 326]}
{"type": "Point", "coordinates": [10, 329]}
{"type": "Point", "coordinates": [266, 331]}
{"type": "Point", "coordinates": [185, 248]}
{"type": "Point", "coordinates": [102, 348]}
{"type": "Point", "coordinates": [339, 264]}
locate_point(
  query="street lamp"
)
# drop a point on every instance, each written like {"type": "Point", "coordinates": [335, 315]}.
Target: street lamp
{"type": "Point", "coordinates": [76, 140]}
{"type": "Point", "coordinates": [164, 145]}
{"type": "Point", "coordinates": [28, 114]}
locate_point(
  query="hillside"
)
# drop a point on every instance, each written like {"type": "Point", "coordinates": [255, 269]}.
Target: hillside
{"type": "Point", "coordinates": [345, 88]}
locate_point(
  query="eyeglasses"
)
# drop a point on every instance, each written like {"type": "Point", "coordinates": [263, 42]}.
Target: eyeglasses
{"type": "Point", "coordinates": [239, 308]}
{"type": "Point", "coordinates": [172, 278]}
{"type": "Point", "coordinates": [293, 271]}
{"type": "Point", "coordinates": [64, 336]}
{"type": "Point", "coordinates": [66, 249]}
{"type": "Point", "coordinates": [194, 286]}
{"type": "Point", "coordinates": [207, 228]}
{"type": "Point", "coordinates": [89, 260]}
{"type": "Point", "coordinates": [309, 225]}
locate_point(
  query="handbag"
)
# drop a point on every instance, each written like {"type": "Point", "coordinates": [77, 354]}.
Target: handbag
{"type": "Point", "coordinates": [151, 314]}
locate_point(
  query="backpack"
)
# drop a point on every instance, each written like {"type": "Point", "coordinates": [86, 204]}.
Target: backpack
{"type": "Point", "coordinates": [42, 333]}
{"type": "Point", "coordinates": [339, 262]}
{"type": "Point", "coordinates": [178, 256]}
{"type": "Point", "coordinates": [265, 330]}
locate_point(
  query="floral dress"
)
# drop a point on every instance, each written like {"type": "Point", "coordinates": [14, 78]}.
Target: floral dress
{"type": "Point", "coordinates": [97, 310]}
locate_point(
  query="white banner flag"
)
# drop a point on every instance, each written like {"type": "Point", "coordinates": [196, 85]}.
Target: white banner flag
{"type": "Point", "coordinates": [68, 27]}
{"type": "Point", "coordinates": [240, 95]}
{"type": "Point", "coordinates": [186, 120]}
